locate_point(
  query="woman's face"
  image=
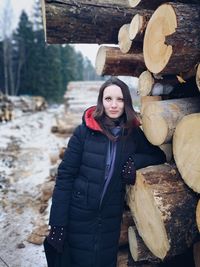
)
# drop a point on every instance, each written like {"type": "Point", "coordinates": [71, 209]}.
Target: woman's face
{"type": "Point", "coordinates": [113, 101]}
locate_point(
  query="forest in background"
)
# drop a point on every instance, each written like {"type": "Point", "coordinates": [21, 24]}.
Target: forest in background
{"type": "Point", "coordinates": [29, 66]}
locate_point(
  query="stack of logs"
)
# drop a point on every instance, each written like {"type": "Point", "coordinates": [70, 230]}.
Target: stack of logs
{"type": "Point", "coordinates": [158, 42]}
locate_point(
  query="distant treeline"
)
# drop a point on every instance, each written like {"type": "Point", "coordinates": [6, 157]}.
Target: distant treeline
{"type": "Point", "coordinates": [30, 66]}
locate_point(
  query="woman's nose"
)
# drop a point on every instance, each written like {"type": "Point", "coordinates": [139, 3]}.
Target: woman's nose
{"type": "Point", "coordinates": [114, 103]}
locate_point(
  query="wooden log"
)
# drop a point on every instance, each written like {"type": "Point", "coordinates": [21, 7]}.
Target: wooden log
{"type": "Point", "coordinates": [163, 209]}
{"type": "Point", "coordinates": [138, 26]}
{"type": "Point", "coordinates": [126, 45]}
{"type": "Point", "coordinates": [155, 3]}
{"type": "Point", "coordinates": [160, 118]}
{"type": "Point", "coordinates": [138, 249]}
{"type": "Point", "coordinates": [85, 21]}
{"type": "Point", "coordinates": [145, 100]}
{"type": "Point", "coordinates": [198, 77]}
{"type": "Point", "coordinates": [172, 38]}
{"type": "Point", "coordinates": [186, 150]}
{"type": "Point", "coordinates": [127, 220]}
{"type": "Point", "coordinates": [147, 84]}
{"type": "Point", "coordinates": [111, 61]}
{"type": "Point", "coordinates": [198, 215]}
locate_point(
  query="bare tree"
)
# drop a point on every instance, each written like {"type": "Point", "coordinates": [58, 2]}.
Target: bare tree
{"type": "Point", "coordinates": [6, 26]}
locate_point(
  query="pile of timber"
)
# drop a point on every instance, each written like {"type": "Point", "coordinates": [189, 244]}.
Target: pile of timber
{"type": "Point", "coordinates": [78, 97]}
{"type": "Point", "coordinates": [158, 42]}
{"type": "Point", "coordinates": [6, 108]}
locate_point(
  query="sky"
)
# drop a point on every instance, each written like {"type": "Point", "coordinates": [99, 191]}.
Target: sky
{"type": "Point", "coordinates": [88, 50]}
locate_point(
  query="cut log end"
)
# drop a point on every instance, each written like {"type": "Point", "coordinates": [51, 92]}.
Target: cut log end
{"type": "Point", "coordinates": [124, 41]}
{"type": "Point", "coordinates": [135, 26]}
{"type": "Point", "coordinates": [145, 83]}
{"type": "Point", "coordinates": [149, 221]}
{"type": "Point", "coordinates": [198, 215]}
{"type": "Point", "coordinates": [155, 126]}
{"type": "Point", "coordinates": [186, 150]}
{"type": "Point", "coordinates": [162, 23]}
{"type": "Point", "coordinates": [100, 60]}
{"type": "Point", "coordinates": [134, 3]}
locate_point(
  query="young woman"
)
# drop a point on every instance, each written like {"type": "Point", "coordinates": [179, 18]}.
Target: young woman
{"type": "Point", "coordinates": [101, 158]}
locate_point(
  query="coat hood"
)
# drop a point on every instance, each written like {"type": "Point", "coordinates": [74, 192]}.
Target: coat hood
{"type": "Point", "coordinates": [89, 120]}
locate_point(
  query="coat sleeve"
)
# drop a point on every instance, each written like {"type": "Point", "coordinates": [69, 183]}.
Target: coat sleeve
{"type": "Point", "coordinates": [67, 172]}
{"type": "Point", "coordinates": [146, 153]}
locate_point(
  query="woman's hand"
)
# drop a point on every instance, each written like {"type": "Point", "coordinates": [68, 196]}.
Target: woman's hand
{"type": "Point", "coordinates": [129, 172]}
{"type": "Point", "coordinates": [57, 237]}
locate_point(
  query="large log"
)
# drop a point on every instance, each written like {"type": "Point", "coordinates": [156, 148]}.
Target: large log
{"type": "Point", "coordinates": [85, 21]}
{"type": "Point", "coordinates": [111, 61]}
{"type": "Point", "coordinates": [155, 3]}
{"type": "Point", "coordinates": [145, 100]}
{"type": "Point", "coordinates": [186, 150]}
{"type": "Point", "coordinates": [163, 209]}
{"type": "Point", "coordinates": [138, 26]}
{"type": "Point", "coordinates": [160, 118]}
{"type": "Point", "coordinates": [172, 38]}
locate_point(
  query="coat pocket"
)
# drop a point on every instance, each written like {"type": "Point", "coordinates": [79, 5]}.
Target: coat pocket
{"type": "Point", "coordinates": [80, 191]}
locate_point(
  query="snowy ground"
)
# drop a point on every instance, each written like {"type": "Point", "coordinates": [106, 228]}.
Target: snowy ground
{"type": "Point", "coordinates": [26, 146]}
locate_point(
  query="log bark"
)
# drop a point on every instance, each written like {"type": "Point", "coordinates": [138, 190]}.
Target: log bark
{"type": "Point", "coordinates": [111, 61]}
{"type": "Point", "coordinates": [163, 209]}
{"type": "Point", "coordinates": [198, 77]}
{"type": "Point", "coordinates": [138, 249]}
{"type": "Point", "coordinates": [155, 3]}
{"type": "Point", "coordinates": [85, 21]}
{"type": "Point", "coordinates": [172, 38]}
{"type": "Point", "coordinates": [127, 220]}
{"type": "Point", "coordinates": [198, 215]}
{"type": "Point", "coordinates": [186, 150]}
{"type": "Point", "coordinates": [160, 118]}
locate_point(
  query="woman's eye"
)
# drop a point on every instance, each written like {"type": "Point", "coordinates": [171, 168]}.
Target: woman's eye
{"type": "Point", "coordinates": [120, 99]}
{"type": "Point", "coordinates": [108, 98]}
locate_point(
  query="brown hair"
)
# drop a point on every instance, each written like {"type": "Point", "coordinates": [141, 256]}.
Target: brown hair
{"type": "Point", "coordinates": [130, 117]}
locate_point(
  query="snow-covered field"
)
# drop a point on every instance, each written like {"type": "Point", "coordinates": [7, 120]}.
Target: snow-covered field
{"type": "Point", "coordinates": [26, 146]}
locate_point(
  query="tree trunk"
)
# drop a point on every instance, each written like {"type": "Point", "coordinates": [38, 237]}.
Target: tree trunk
{"type": "Point", "coordinates": [138, 249]}
{"type": "Point", "coordinates": [186, 144]}
{"type": "Point", "coordinates": [160, 118]}
{"type": "Point", "coordinates": [111, 61]}
{"type": "Point", "coordinates": [163, 209]}
{"type": "Point", "coordinates": [85, 21]}
{"type": "Point", "coordinates": [172, 39]}
{"type": "Point", "coordinates": [155, 3]}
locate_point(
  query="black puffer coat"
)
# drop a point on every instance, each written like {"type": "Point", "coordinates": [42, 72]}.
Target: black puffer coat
{"type": "Point", "coordinates": [93, 229]}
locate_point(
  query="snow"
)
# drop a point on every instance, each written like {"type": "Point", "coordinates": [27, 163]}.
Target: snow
{"type": "Point", "coordinates": [26, 144]}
